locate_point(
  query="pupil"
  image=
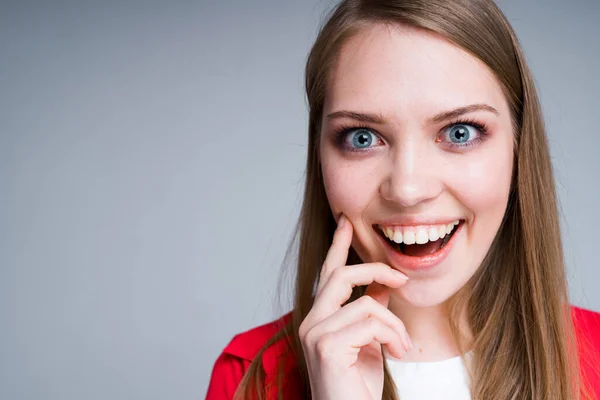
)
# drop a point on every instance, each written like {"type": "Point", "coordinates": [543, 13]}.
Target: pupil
{"type": "Point", "coordinates": [461, 134]}
{"type": "Point", "coordinates": [362, 140]}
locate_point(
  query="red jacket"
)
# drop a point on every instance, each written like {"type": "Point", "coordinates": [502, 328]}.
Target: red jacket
{"type": "Point", "coordinates": [239, 353]}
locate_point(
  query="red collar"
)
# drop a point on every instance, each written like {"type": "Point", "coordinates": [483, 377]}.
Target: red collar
{"type": "Point", "coordinates": [246, 345]}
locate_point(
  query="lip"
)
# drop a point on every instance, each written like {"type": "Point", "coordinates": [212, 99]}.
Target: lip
{"type": "Point", "coordinates": [416, 221]}
{"type": "Point", "coordinates": [401, 261]}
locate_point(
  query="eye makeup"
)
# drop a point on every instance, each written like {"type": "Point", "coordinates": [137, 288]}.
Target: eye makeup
{"type": "Point", "coordinates": [342, 133]}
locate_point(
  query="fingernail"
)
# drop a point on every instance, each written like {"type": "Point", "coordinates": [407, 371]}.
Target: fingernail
{"type": "Point", "coordinates": [341, 221]}
{"type": "Point", "coordinates": [409, 341]}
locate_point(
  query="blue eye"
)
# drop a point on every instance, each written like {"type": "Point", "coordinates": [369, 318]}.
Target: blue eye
{"type": "Point", "coordinates": [460, 134]}
{"type": "Point", "coordinates": [362, 139]}
{"type": "Point", "coordinates": [357, 139]}
{"type": "Point", "coordinates": [463, 134]}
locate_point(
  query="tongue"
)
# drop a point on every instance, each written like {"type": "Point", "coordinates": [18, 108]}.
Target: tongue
{"type": "Point", "coordinates": [420, 250]}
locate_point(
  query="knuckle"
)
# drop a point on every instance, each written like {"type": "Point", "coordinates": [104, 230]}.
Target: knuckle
{"type": "Point", "coordinates": [302, 330]}
{"type": "Point", "coordinates": [383, 270]}
{"type": "Point", "coordinates": [373, 324]}
{"type": "Point", "coordinates": [311, 336]}
{"type": "Point", "coordinates": [305, 327]}
{"type": "Point", "coordinates": [367, 301]}
{"type": "Point", "coordinates": [323, 346]}
{"type": "Point", "coordinates": [382, 266]}
{"type": "Point", "coordinates": [338, 274]}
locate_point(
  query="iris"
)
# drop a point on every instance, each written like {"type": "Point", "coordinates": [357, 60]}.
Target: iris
{"type": "Point", "coordinates": [362, 139]}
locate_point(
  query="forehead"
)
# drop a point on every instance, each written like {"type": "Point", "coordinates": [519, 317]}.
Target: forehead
{"type": "Point", "coordinates": [399, 70]}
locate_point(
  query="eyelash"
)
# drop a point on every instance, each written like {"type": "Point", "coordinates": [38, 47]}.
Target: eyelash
{"type": "Point", "coordinates": [341, 133]}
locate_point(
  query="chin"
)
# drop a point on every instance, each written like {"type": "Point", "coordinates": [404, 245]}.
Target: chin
{"type": "Point", "coordinates": [422, 294]}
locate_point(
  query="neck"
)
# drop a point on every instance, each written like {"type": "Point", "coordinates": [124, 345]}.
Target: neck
{"type": "Point", "coordinates": [429, 330]}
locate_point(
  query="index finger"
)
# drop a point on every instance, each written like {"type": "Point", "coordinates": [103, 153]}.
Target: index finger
{"type": "Point", "coordinates": [338, 251]}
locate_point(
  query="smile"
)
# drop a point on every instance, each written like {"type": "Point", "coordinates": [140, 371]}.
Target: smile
{"type": "Point", "coordinates": [418, 247]}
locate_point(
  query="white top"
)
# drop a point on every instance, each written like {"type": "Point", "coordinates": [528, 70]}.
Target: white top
{"type": "Point", "coordinates": [446, 379]}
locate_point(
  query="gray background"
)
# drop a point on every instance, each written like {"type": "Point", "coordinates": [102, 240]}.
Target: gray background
{"type": "Point", "coordinates": [151, 166]}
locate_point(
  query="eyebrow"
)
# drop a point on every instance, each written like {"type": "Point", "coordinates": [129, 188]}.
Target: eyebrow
{"type": "Point", "coordinates": [443, 116]}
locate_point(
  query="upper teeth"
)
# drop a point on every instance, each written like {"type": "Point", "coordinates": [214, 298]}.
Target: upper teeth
{"type": "Point", "coordinates": [417, 234]}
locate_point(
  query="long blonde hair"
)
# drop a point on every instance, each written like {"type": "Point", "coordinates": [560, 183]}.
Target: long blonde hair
{"type": "Point", "coordinates": [517, 302]}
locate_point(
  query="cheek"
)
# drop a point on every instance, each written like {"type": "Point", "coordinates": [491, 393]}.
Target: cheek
{"type": "Point", "coordinates": [484, 180]}
{"type": "Point", "coordinates": [350, 186]}
{"type": "Point", "coordinates": [483, 186]}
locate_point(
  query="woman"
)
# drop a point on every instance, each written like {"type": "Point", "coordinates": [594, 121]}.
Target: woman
{"type": "Point", "coordinates": [430, 261]}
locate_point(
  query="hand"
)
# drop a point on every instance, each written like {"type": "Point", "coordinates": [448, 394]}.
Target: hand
{"type": "Point", "coordinates": [342, 345]}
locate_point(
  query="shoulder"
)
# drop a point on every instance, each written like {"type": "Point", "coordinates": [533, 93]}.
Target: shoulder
{"type": "Point", "coordinates": [236, 357]}
{"type": "Point", "coordinates": [586, 321]}
{"type": "Point", "coordinates": [246, 345]}
{"type": "Point", "coordinates": [587, 330]}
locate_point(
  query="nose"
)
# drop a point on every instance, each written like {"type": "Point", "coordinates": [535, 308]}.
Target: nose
{"type": "Point", "coordinates": [412, 178]}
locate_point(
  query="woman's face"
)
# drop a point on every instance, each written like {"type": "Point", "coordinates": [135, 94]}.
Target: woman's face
{"type": "Point", "coordinates": [426, 141]}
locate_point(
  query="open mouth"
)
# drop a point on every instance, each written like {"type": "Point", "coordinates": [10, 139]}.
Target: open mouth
{"type": "Point", "coordinates": [419, 241]}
